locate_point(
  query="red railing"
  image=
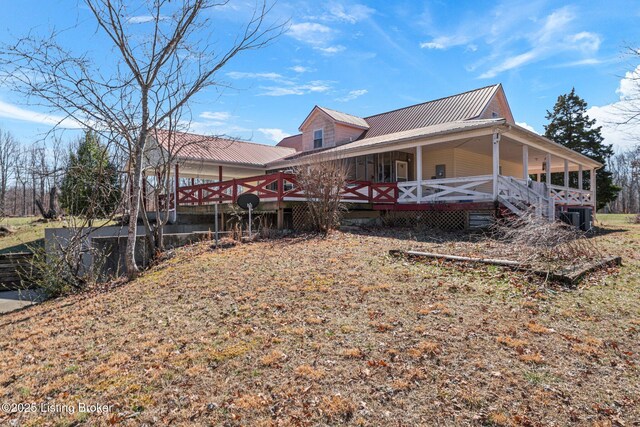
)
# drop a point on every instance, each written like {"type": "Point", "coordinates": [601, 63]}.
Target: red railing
{"type": "Point", "coordinates": [280, 187]}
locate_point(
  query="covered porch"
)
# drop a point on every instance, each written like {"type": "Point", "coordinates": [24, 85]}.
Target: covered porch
{"type": "Point", "coordinates": [505, 164]}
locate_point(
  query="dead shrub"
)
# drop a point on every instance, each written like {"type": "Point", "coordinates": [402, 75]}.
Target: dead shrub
{"type": "Point", "coordinates": [322, 182]}
{"type": "Point", "coordinates": [544, 243]}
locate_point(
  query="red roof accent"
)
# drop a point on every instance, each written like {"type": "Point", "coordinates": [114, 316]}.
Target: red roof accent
{"type": "Point", "coordinates": [189, 146]}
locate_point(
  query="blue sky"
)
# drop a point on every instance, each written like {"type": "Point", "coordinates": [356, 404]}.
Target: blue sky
{"type": "Point", "coordinates": [369, 57]}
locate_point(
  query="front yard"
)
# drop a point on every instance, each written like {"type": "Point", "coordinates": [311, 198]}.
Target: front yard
{"type": "Point", "coordinates": [309, 331]}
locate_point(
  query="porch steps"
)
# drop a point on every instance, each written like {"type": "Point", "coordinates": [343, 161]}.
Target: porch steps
{"type": "Point", "coordinates": [519, 197]}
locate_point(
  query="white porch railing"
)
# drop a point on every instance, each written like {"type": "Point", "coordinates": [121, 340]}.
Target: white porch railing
{"type": "Point", "coordinates": [467, 189]}
{"type": "Point", "coordinates": [521, 196]}
{"type": "Point", "coordinates": [570, 196]}
{"type": "Point", "coordinates": [518, 195]}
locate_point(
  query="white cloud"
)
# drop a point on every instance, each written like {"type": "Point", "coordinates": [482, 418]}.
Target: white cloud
{"type": "Point", "coordinates": [580, 63]}
{"type": "Point", "coordinates": [274, 134]}
{"type": "Point", "coordinates": [216, 115]}
{"type": "Point", "coordinates": [347, 13]}
{"type": "Point", "coordinates": [11, 111]}
{"type": "Point", "coordinates": [445, 42]}
{"type": "Point", "coordinates": [300, 69]}
{"type": "Point", "coordinates": [619, 120]}
{"type": "Point", "coordinates": [584, 41]}
{"type": "Point", "coordinates": [551, 40]}
{"type": "Point", "coordinates": [511, 63]}
{"type": "Point", "coordinates": [316, 86]}
{"type": "Point", "coordinates": [319, 36]}
{"type": "Point", "coordinates": [331, 50]}
{"type": "Point", "coordinates": [352, 95]}
{"type": "Point", "coordinates": [524, 35]}
{"type": "Point", "coordinates": [311, 33]}
{"type": "Point", "coordinates": [238, 75]}
{"type": "Point", "coordinates": [143, 19]}
{"type": "Point", "coordinates": [526, 126]}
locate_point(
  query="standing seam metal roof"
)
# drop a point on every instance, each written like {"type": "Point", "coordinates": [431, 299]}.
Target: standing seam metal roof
{"type": "Point", "coordinates": [463, 106]}
{"type": "Point", "coordinates": [199, 147]}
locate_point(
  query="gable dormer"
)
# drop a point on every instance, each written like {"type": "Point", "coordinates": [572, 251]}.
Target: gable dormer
{"type": "Point", "coordinates": [324, 127]}
{"type": "Point", "coordinates": [498, 107]}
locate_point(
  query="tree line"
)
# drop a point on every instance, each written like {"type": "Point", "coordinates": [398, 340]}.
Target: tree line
{"type": "Point", "coordinates": [54, 177]}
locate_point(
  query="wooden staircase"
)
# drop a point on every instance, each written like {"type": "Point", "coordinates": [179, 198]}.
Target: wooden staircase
{"type": "Point", "coordinates": [522, 197]}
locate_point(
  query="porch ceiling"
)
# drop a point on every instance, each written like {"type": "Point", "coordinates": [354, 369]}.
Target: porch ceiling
{"type": "Point", "coordinates": [511, 151]}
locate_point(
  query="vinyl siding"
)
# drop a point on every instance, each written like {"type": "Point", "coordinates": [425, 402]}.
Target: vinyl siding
{"type": "Point", "coordinates": [320, 121]}
{"type": "Point", "coordinates": [499, 105]}
{"type": "Point", "coordinates": [431, 158]}
{"type": "Point", "coordinates": [345, 133]}
{"type": "Point", "coordinates": [470, 164]}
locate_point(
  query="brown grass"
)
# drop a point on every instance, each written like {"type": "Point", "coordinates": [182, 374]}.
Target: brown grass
{"type": "Point", "coordinates": [273, 358]}
{"type": "Point", "coordinates": [310, 373]}
{"type": "Point", "coordinates": [536, 328]}
{"type": "Point", "coordinates": [337, 408]}
{"type": "Point", "coordinates": [512, 342]}
{"type": "Point", "coordinates": [201, 339]}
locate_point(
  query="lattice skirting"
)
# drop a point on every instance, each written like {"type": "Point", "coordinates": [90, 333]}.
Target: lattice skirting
{"type": "Point", "coordinates": [445, 220]}
{"type": "Point", "coordinates": [300, 217]}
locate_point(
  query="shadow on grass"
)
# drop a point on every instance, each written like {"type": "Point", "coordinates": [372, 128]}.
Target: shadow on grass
{"type": "Point", "coordinates": [23, 247]}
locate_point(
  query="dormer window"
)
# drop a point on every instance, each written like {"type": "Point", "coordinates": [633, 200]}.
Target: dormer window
{"type": "Point", "coordinates": [317, 138]}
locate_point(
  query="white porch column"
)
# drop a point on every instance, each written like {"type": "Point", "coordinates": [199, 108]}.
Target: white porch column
{"type": "Point", "coordinates": [525, 162]}
{"type": "Point", "coordinates": [548, 171]}
{"type": "Point", "coordinates": [496, 163]}
{"type": "Point", "coordinates": [566, 175]}
{"type": "Point", "coordinates": [419, 172]}
{"type": "Point", "coordinates": [592, 179]}
{"type": "Point", "coordinates": [580, 185]}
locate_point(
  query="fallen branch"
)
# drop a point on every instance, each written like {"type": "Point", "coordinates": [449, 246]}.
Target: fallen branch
{"type": "Point", "coordinates": [501, 262]}
{"type": "Point", "coordinates": [570, 276]}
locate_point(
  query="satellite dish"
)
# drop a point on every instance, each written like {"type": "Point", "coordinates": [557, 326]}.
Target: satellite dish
{"type": "Point", "coordinates": [246, 199]}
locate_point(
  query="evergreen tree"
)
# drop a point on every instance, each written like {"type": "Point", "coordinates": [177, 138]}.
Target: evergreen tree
{"type": "Point", "coordinates": [569, 125]}
{"type": "Point", "coordinates": [90, 185]}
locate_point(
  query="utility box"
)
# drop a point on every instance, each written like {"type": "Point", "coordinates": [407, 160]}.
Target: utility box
{"type": "Point", "coordinates": [586, 217]}
{"type": "Point", "coordinates": [571, 218]}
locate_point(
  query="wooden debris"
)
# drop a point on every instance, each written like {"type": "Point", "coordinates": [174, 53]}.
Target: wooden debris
{"type": "Point", "coordinates": [570, 276]}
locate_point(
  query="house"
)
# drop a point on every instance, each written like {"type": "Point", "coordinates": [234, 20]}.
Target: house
{"type": "Point", "coordinates": [453, 161]}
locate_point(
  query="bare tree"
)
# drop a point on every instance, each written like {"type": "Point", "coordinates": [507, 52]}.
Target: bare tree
{"type": "Point", "coordinates": [322, 182]}
{"type": "Point", "coordinates": [155, 77]}
{"type": "Point", "coordinates": [625, 167]}
{"type": "Point", "coordinates": [8, 156]}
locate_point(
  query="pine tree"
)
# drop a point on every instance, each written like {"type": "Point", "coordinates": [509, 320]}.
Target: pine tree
{"type": "Point", "coordinates": [90, 185]}
{"type": "Point", "coordinates": [569, 125]}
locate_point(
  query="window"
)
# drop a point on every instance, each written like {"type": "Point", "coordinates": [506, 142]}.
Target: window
{"type": "Point", "coordinates": [317, 138]}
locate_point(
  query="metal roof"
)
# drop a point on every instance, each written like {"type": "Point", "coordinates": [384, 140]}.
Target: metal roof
{"type": "Point", "coordinates": [345, 118]}
{"type": "Point", "coordinates": [396, 137]}
{"type": "Point", "coordinates": [337, 116]}
{"type": "Point", "coordinates": [463, 106]}
{"type": "Point", "coordinates": [210, 148]}
{"type": "Point", "coordinates": [437, 130]}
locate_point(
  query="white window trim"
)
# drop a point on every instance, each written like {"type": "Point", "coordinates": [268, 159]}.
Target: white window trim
{"type": "Point", "coordinates": [321, 130]}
